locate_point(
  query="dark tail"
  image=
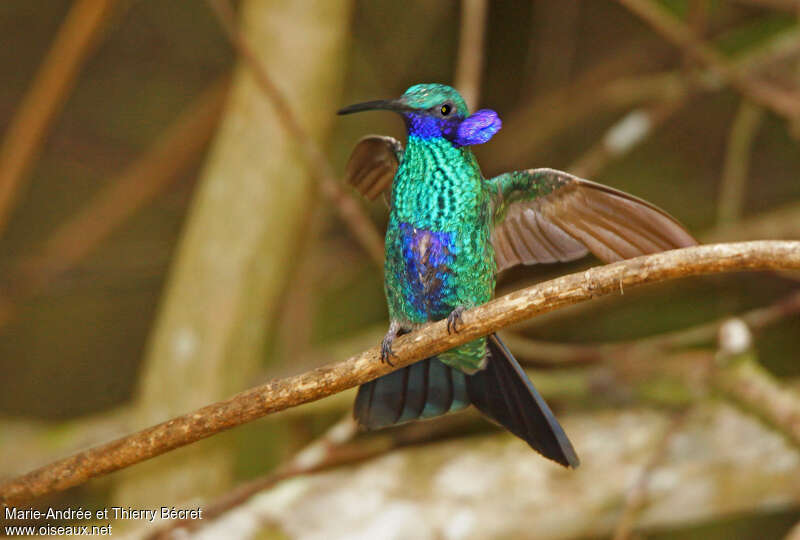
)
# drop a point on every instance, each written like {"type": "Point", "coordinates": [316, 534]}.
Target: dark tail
{"type": "Point", "coordinates": [502, 392]}
{"type": "Point", "coordinates": [422, 390]}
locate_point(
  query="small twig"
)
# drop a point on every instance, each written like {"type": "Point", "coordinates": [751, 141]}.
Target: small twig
{"type": "Point", "coordinates": [349, 209]}
{"type": "Point", "coordinates": [175, 150]}
{"type": "Point", "coordinates": [636, 498]}
{"type": "Point", "coordinates": [776, 99]}
{"type": "Point", "coordinates": [548, 353]}
{"type": "Point", "coordinates": [429, 341]}
{"type": "Point", "coordinates": [51, 85]}
{"type": "Point", "coordinates": [737, 162]}
{"type": "Point", "coordinates": [470, 50]}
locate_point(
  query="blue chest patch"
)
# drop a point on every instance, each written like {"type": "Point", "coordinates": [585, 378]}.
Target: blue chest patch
{"type": "Point", "coordinates": [427, 256]}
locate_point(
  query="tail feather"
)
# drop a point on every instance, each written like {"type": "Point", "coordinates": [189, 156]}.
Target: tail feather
{"type": "Point", "coordinates": [501, 391]}
{"type": "Point", "coordinates": [416, 392]}
{"type": "Point", "coordinates": [440, 390]}
{"type": "Point", "coordinates": [493, 392]}
{"type": "Point", "coordinates": [422, 390]}
{"type": "Point", "coordinates": [504, 393]}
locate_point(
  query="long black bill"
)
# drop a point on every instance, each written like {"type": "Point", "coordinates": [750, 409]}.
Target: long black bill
{"type": "Point", "coordinates": [381, 104]}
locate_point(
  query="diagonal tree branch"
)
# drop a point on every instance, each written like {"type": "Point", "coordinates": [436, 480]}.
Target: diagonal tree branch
{"type": "Point", "coordinates": [71, 47]}
{"type": "Point", "coordinates": [778, 100]}
{"type": "Point", "coordinates": [430, 340]}
{"type": "Point", "coordinates": [172, 153]}
{"type": "Point", "coordinates": [345, 203]}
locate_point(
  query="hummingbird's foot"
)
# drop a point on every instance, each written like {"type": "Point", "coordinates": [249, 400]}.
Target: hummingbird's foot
{"type": "Point", "coordinates": [454, 319]}
{"type": "Point", "coordinates": [386, 344]}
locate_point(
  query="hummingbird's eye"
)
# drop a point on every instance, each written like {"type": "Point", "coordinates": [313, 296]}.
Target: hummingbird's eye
{"type": "Point", "coordinates": [446, 108]}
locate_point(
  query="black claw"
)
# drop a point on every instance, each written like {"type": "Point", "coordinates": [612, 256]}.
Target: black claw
{"type": "Point", "coordinates": [454, 319]}
{"type": "Point", "coordinates": [386, 350]}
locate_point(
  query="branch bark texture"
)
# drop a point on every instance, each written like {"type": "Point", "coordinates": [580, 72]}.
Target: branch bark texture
{"type": "Point", "coordinates": [432, 339]}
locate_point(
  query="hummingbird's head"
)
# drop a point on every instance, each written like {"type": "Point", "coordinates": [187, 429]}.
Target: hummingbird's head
{"type": "Point", "coordinates": [437, 110]}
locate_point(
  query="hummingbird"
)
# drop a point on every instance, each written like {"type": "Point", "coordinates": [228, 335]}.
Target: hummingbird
{"type": "Point", "coordinates": [451, 231]}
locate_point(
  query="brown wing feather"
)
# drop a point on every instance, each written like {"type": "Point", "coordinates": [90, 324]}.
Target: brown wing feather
{"type": "Point", "coordinates": [579, 216]}
{"type": "Point", "coordinates": [527, 238]}
{"type": "Point", "coordinates": [372, 165]}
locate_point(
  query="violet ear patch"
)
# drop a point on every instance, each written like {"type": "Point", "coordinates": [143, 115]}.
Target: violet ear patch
{"type": "Point", "coordinates": [478, 128]}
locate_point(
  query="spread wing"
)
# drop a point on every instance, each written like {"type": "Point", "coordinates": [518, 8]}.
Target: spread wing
{"type": "Point", "coordinates": [545, 215]}
{"type": "Point", "coordinates": [373, 164]}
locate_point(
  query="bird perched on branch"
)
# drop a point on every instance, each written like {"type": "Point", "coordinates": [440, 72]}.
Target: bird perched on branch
{"type": "Point", "coordinates": [451, 230]}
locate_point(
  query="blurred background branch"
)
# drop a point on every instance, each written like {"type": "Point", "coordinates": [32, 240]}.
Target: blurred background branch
{"type": "Point", "coordinates": [737, 162]}
{"type": "Point", "coordinates": [548, 353]}
{"type": "Point", "coordinates": [778, 100]}
{"type": "Point", "coordinates": [242, 233]}
{"type": "Point", "coordinates": [56, 77]}
{"type": "Point", "coordinates": [143, 180]}
{"type": "Point", "coordinates": [343, 201]}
